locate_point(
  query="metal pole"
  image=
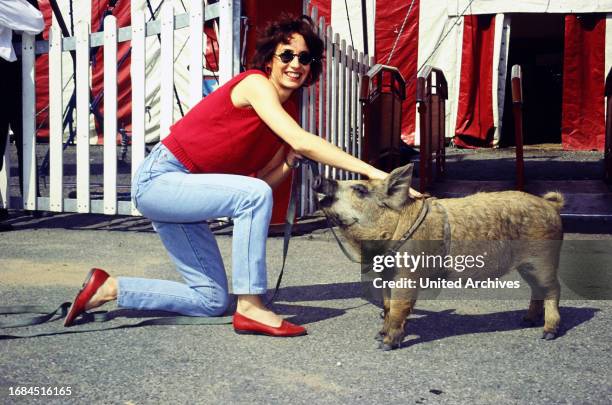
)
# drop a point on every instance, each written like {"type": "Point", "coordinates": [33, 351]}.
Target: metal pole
{"type": "Point", "coordinates": [364, 20]}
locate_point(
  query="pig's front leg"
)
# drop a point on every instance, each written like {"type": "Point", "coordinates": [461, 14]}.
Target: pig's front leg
{"type": "Point", "coordinates": [398, 313]}
{"type": "Point", "coordinates": [386, 307]}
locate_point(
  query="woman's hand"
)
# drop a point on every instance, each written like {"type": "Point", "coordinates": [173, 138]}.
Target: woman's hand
{"type": "Point", "coordinates": [375, 174]}
{"type": "Point", "coordinates": [293, 158]}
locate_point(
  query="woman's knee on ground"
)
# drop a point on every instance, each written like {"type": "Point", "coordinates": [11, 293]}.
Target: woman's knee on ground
{"type": "Point", "coordinates": [214, 303]}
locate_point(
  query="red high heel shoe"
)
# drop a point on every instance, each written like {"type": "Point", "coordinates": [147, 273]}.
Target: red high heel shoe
{"type": "Point", "coordinates": [247, 326]}
{"type": "Point", "coordinates": [94, 280]}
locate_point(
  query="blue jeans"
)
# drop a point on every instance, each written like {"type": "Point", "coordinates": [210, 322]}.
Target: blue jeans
{"type": "Point", "coordinates": [178, 203]}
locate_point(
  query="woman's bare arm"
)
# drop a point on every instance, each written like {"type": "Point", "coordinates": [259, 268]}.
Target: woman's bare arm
{"type": "Point", "coordinates": [257, 91]}
{"type": "Point", "coordinates": [276, 170]}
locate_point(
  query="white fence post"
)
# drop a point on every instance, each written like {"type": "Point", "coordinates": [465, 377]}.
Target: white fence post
{"type": "Point", "coordinates": [137, 72]}
{"type": "Point", "coordinates": [82, 113]}
{"type": "Point", "coordinates": [110, 115]}
{"type": "Point", "coordinates": [195, 44]}
{"type": "Point", "coordinates": [356, 145]}
{"type": "Point", "coordinates": [4, 179]}
{"type": "Point", "coordinates": [229, 46]}
{"type": "Point", "coordinates": [341, 99]}
{"type": "Point", "coordinates": [329, 56]}
{"type": "Point", "coordinates": [29, 122]}
{"type": "Point", "coordinates": [166, 96]}
{"type": "Point", "coordinates": [56, 166]}
{"type": "Point", "coordinates": [334, 42]}
{"type": "Point", "coordinates": [323, 95]}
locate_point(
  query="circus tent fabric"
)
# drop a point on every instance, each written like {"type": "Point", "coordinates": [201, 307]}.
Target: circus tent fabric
{"type": "Point", "coordinates": [469, 41]}
{"type": "Point", "coordinates": [583, 122]}
{"type": "Point", "coordinates": [475, 125]}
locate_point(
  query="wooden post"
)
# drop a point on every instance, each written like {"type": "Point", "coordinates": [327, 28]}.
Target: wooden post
{"type": "Point", "coordinates": [517, 109]}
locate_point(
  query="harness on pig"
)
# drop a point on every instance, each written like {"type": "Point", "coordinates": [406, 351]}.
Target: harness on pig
{"type": "Point", "coordinates": [419, 221]}
{"type": "Point", "coordinates": [415, 226]}
{"type": "Point", "coordinates": [407, 235]}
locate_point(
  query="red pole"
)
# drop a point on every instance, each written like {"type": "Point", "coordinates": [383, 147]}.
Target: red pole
{"type": "Point", "coordinates": [517, 109]}
{"type": "Point", "coordinates": [608, 144]}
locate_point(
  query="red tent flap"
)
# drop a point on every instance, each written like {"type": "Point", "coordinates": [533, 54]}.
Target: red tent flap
{"type": "Point", "coordinates": [475, 124]}
{"type": "Point", "coordinates": [583, 120]}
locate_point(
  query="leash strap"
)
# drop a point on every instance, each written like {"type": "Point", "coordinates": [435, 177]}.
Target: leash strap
{"type": "Point", "coordinates": [314, 168]}
{"type": "Point", "coordinates": [340, 245]}
{"type": "Point", "coordinates": [51, 314]}
{"type": "Point", "coordinates": [289, 221]}
{"type": "Point", "coordinates": [422, 214]}
{"type": "Point", "coordinates": [105, 316]}
{"type": "Point", "coordinates": [48, 314]}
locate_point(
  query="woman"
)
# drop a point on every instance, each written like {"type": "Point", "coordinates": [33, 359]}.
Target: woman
{"type": "Point", "coordinates": [201, 171]}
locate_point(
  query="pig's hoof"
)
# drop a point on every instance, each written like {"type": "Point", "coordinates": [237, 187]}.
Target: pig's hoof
{"type": "Point", "coordinates": [385, 347]}
{"type": "Point", "coordinates": [549, 335]}
{"type": "Point", "coordinates": [379, 336]}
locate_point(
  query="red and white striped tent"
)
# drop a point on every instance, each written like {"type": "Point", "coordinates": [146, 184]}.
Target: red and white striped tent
{"type": "Point", "coordinates": [472, 41]}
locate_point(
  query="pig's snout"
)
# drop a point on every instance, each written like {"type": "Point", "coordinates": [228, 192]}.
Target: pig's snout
{"type": "Point", "coordinates": [324, 186]}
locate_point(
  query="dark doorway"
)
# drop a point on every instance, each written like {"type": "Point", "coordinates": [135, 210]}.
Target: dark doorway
{"type": "Point", "coordinates": [536, 43]}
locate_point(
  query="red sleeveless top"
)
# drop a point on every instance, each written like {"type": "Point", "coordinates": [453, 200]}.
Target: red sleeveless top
{"type": "Point", "coordinates": [216, 137]}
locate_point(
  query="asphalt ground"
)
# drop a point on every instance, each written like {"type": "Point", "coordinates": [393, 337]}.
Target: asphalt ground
{"type": "Point", "coordinates": [454, 352]}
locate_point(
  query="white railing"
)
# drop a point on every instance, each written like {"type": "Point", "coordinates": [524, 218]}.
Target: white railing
{"type": "Point", "coordinates": [59, 199]}
{"type": "Point", "coordinates": [330, 108]}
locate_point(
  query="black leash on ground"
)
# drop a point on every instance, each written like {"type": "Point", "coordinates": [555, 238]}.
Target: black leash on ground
{"type": "Point", "coordinates": [49, 314]}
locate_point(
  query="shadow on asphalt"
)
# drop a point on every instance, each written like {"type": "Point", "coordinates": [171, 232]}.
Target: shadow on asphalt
{"type": "Point", "coordinates": [423, 325]}
{"type": "Point", "coordinates": [20, 220]}
{"type": "Point", "coordinates": [23, 220]}
{"type": "Point", "coordinates": [426, 325]}
{"type": "Point", "coordinates": [430, 326]}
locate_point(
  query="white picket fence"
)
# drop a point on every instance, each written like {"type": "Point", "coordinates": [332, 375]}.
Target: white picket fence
{"type": "Point", "coordinates": [330, 108]}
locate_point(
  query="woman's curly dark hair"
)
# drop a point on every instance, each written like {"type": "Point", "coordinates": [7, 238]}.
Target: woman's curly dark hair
{"type": "Point", "coordinates": [280, 31]}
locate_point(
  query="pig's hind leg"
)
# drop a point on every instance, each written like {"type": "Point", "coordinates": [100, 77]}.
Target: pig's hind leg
{"type": "Point", "coordinates": [541, 275]}
{"type": "Point", "coordinates": [534, 313]}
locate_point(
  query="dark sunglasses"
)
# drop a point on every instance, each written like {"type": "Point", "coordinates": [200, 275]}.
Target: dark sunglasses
{"type": "Point", "coordinates": [303, 57]}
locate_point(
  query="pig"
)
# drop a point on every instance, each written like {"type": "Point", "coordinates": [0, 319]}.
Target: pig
{"type": "Point", "coordinates": [385, 210]}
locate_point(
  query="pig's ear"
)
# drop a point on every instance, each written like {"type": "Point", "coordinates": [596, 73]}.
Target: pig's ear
{"type": "Point", "coordinates": [398, 186]}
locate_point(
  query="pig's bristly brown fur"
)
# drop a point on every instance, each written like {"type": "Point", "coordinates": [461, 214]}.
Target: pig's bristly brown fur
{"type": "Point", "coordinates": [496, 216]}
